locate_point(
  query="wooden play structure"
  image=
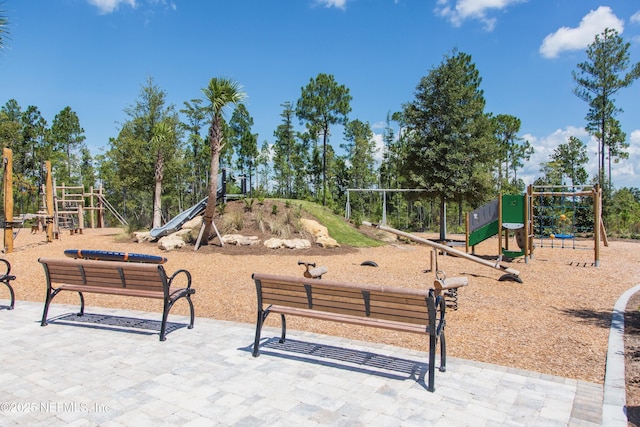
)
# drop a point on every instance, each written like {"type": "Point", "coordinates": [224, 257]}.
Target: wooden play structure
{"type": "Point", "coordinates": [62, 207]}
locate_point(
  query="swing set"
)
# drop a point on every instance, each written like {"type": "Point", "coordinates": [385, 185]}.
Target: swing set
{"type": "Point", "coordinates": [566, 217]}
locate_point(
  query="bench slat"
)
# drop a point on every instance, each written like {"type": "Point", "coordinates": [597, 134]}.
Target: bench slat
{"type": "Point", "coordinates": [113, 291]}
{"type": "Point", "coordinates": [364, 321]}
{"type": "Point", "coordinates": [348, 301]}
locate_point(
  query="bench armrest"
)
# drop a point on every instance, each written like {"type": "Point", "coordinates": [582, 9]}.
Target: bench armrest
{"type": "Point", "coordinates": [186, 273]}
{"type": "Point", "coordinates": [7, 266]}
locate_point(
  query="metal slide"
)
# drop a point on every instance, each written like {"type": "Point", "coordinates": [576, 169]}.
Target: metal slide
{"type": "Point", "coordinates": [176, 222]}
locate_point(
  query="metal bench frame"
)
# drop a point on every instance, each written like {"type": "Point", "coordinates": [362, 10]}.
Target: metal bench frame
{"type": "Point", "coordinates": [6, 278]}
{"type": "Point", "coordinates": [399, 309]}
{"type": "Point", "coordinates": [115, 278]}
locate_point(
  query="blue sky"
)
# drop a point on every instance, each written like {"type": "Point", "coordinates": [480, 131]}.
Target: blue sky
{"type": "Point", "coordinates": [95, 55]}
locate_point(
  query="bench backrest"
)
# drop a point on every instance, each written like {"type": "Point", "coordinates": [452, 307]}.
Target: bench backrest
{"type": "Point", "coordinates": [106, 274]}
{"type": "Point", "coordinates": [377, 302]}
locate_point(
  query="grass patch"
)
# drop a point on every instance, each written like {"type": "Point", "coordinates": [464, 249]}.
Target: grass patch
{"type": "Point", "coordinates": [339, 229]}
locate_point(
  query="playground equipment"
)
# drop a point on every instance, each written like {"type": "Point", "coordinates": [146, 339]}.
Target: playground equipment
{"type": "Point", "coordinates": [311, 271]}
{"type": "Point", "coordinates": [562, 214]}
{"type": "Point", "coordinates": [62, 207]}
{"type": "Point", "coordinates": [554, 215]}
{"type": "Point", "coordinates": [70, 207]}
{"type": "Point", "coordinates": [502, 216]}
{"type": "Point", "coordinates": [176, 222]}
{"type": "Point", "coordinates": [7, 185]}
{"type": "Point", "coordinates": [510, 273]}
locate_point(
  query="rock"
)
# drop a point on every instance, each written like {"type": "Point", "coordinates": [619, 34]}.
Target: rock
{"type": "Point", "coordinates": [182, 232]}
{"type": "Point", "coordinates": [274, 243]}
{"type": "Point", "coordinates": [193, 223]}
{"type": "Point", "coordinates": [240, 240]}
{"type": "Point", "coordinates": [319, 232]}
{"type": "Point", "coordinates": [142, 236]}
{"type": "Point", "coordinates": [170, 242]}
{"type": "Point", "coordinates": [327, 242]}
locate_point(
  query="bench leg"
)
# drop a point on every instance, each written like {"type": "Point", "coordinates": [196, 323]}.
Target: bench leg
{"type": "Point", "coordinates": [11, 293]}
{"type": "Point", "coordinates": [432, 363]}
{"type": "Point", "coordinates": [262, 315]}
{"type": "Point", "coordinates": [443, 353]}
{"type": "Point", "coordinates": [283, 336]}
{"type": "Point", "coordinates": [47, 302]}
{"type": "Point", "coordinates": [167, 308]}
{"type": "Point", "coordinates": [192, 311]}
{"type": "Point", "coordinates": [81, 304]}
{"type": "Point", "coordinates": [165, 315]}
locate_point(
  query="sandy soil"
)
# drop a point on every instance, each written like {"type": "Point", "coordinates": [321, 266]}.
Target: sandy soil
{"type": "Point", "coordinates": [555, 322]}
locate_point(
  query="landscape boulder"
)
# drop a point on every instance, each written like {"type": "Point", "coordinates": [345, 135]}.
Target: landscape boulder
{"type": "Point", "coordinates": [171, 242]}
{"type": "Point", "coordinates": [240, 240]}
{"type": "Point", "coordinates": [319, 232]}
{"type": "Point", "coordinates": [275, 243]}
{"type": "Point", "coordinates": [142, 236]}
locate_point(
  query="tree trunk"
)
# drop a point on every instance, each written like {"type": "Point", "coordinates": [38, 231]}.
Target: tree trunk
{"type": "Point", "coordinates": [443, 219]}
{"type": "Point", "coordinates": [157, 213]}
{"type": "Point", "coordinates": [157, 194]}
{"type": "Point", "coordinates": [213, 183]}
{"type": "Point", "coordinates": [324, 167]}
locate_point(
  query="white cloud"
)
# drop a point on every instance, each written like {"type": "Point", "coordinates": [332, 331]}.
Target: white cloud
{"type": "Point", "coordinates": [340, 4]}
{"type": "Point", "coordinates": [580, 37]}
{"type": "Point", "coordinates": [108, 6]}
{"type": "Point", "coordinates": [544, 147]}
{"type": "Point", "coordinates": [635, 18]}
{"type": "Point", "coordinates": [457, 11]}
{"type": "Point", "coordinates": [626, 173]}
{"type": "Point", "coordinates": [379, 140]}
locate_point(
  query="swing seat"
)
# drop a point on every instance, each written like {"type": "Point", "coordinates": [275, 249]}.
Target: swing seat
{"type": "Point", "coordinates": [564, 236]}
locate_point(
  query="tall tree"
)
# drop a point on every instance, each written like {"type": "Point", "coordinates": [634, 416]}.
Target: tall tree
{"type": "Point", "coordinates": [598, 80]}
{"type": "Point", "coordinates": [67, 136]}
{"type": "Point", "coordinates": [10, 124]}
{"type": "Point", "coordinates": [323, 103]}
{"type": "Point", "coordinates": [361, 149]}
{"type": "Point", "coordinates": [198, 154]}
{"type": "Point", "coordinates": [571, 157]}
{"type": "Point", "coordinates": [138, 154]}
{"type": "Point", "coordinates": [450, 150]}
{"type": "Point", "coordinates": [162, 141]}
{"type": "Point", "coordinates": [221, 93]}
{"type": "Point", "coordinates": [246, 143]}
{"type": "Point", "coordinates": [87, 170]}
{"type": "Point", "coordinates": [264, 160]}
{"type": "Point", "coordinates": [32, 150]}
{"type": "Point", "coordinates": [284, 151]}
{"type": "Point", "coordinates": [512, 149]}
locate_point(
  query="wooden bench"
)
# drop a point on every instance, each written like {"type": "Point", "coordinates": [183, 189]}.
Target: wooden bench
{"type": "Point", "coordinates": [132, 279]}
{"type": "Point", "coordinates": [398, 309]}
{"type": "Point", "coordinates": [6, 278]}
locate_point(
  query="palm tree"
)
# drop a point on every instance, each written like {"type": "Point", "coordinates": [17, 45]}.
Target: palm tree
{"type": "Point", "coordinates": [221, 92]}
{"type": "Point", "coordinates": [4, 26]}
